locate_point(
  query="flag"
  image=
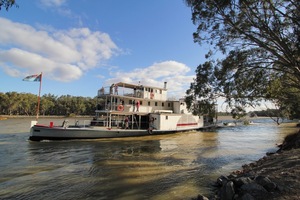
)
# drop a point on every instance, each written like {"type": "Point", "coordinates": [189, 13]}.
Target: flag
{"type": "Point", "coordinates": [36, 77]}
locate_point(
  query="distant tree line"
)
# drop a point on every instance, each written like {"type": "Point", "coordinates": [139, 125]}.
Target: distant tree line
{"type": "Point", "coordinates": [261, 113]}
{"type": "Point", "coordinates": [13, 103]}
{"type": "Point", "coordinates": [267, 113]}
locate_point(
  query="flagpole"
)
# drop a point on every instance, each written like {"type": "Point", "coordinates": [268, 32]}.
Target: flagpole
{"type": "Point", "coordinates": [39, 97]}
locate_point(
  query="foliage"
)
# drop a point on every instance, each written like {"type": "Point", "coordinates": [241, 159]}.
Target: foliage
{"type": "Point", "coordinates": [13, 103]}
{"type": "Point", "coordinates": [238, 113]}
{"type": "Point", "coordinates": [7, 4]}
{"type": "Point", "coordinates": [260, 46]}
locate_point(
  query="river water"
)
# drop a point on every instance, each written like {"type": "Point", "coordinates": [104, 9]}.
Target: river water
{"type": "Point", "coordinates": [176, 166]}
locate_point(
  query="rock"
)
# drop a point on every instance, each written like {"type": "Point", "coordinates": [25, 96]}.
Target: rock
{"type": "Point", "coordinates": [266, 183]}
{"type": "Point", "coordinates": [222, 180]}
{"type": "Point", "coordinates": [242, 180]}
{"type": "Point", "coordinates": [201, 197]}
{"type": "Point", "coordinates": [291, 142]}
{"type": "Point", "coordinates": [270, 187]}
{"type": "Point", "coordinates": [232, 176]}
{"type": "Point", "coordinates": [270, 153]}
{"type": "Point", "coordinates": [254, 189]}
{"type": "Point", "coordinates": [250, 174]}
{"type": "Point", "coordinates": [227, 191]}
{"type": "Point", "coordinates": [247, 196]}
{"type": "Point", "coordinates": [262, 180]}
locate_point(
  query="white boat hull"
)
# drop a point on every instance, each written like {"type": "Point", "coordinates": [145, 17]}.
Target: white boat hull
{"type": "Point", "coordinates": [39, 132]}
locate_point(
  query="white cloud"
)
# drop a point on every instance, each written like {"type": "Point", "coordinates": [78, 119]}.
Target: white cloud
{"type": "Point", "coordinates": [52, 3]}
{"type": "Point", "coordinates": [36, 64]}
{"type": "Point", "coordinates": [172, 72]}
{"type": "Point", "coordinates": [63, 54]}
{"type": "Point", "coordinates": [60, 7]}
{"type": "Point", "coordinates": [11, 72]}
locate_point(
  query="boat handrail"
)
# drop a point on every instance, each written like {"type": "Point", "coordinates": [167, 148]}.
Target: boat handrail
{"type": "Point", "coordinates": [86, 123]}
{"type": "Point", "coordinates": [163, 111]}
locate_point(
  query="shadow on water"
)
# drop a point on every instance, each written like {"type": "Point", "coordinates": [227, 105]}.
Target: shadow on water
{"type": "Point", "coordinates": [116, 169]}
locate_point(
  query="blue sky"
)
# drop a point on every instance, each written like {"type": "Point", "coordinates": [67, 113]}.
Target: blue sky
{"type": "Point", "coordinates": [83, 45]}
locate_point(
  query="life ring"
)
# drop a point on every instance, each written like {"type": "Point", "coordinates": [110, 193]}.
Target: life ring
{"type": "Point", "coordinates": [120, 107]}
{"type": "Point", "coordinates": [151, 95]}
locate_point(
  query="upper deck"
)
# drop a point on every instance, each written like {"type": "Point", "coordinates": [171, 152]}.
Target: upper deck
{"type": "Point", "coordinates": [125, 98]}
{"type": "Point", "coordinates": [135, 91]}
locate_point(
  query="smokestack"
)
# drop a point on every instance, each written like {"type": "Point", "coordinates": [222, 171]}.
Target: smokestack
{"type": "Point", "coordinates": [165, 85]}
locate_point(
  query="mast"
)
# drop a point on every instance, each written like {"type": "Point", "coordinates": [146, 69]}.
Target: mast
{"type": "Point", "coordinates": [39, 98]}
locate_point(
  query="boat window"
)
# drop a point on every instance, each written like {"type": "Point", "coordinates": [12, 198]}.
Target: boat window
{"type": "Point", "coordinates": [155, 103]}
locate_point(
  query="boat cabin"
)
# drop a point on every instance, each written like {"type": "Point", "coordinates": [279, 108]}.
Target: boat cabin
{"type": "Point", "coordinates": [137, 98]}
{"type": "Point", "coordinates": [140, 104]}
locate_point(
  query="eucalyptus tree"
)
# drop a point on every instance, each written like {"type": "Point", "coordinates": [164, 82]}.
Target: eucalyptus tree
{"type": "Point", "coordinates": [78, 105]}
{"type": "Point", "coordinates": [47, 104]}
{"type": "Point", "coordinates": [27, 104]}
{"type": "Point", "coordinates": [3, 103]}
{"type": "Point", "coordinates": [13, 100]}
{"type": "Point", "coordinates": [90, 105]}
{"type": "Point", "coordinates": [64, 105]}
{"type": "Point", "coordinates": [258, 44]}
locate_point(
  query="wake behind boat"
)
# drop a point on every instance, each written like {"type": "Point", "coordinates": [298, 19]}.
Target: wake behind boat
{"type": "Point", "coordinates": [127, 110]}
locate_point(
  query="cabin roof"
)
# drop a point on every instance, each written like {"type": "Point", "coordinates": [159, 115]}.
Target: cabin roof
{"type": "Point", "coordinates": [132, 86]}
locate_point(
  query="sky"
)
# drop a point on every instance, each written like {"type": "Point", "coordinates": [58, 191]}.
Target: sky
{"type": "Point", "coordinates": [82, 45]}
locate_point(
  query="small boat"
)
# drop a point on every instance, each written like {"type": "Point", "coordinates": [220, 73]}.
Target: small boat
{"type": "Point", "coordinates": [230, 123]}
{"type": "Point", "coordinates": [127, 110]}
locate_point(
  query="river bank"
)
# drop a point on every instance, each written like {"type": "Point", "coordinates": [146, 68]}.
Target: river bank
{"type": "Point", "coordinates": [275, 176]}
{"type": "Point", "coordinates": [3, 117]}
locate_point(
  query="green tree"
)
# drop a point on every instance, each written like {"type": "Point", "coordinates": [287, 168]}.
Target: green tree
{"type": "Point", "coordinates": [79, 105]}
{"type": "Point", "coordinates": [13, 100]}
{"type": "Point", "coordinates": [260, 43]}
{"type": "Point", "coordinates": [27, 104]}
{"type": "Point", "coordinates": [3, 103]}
{"type": "Point", "coordinates": [7, 4]}
{"type": "Point", "coordinates": [90, 105]}
{"type": "Point", "coordinates": [64, 105]}
{"type": "Point", "coordinates": [47, 104]}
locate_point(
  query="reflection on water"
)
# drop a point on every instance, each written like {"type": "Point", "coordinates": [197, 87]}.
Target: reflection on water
{"type": "Point", "coordinates": [177, 166]}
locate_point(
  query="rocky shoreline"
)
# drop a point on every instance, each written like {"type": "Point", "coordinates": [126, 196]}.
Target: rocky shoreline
{"type": "Point", "coordinates": [275, 176]}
